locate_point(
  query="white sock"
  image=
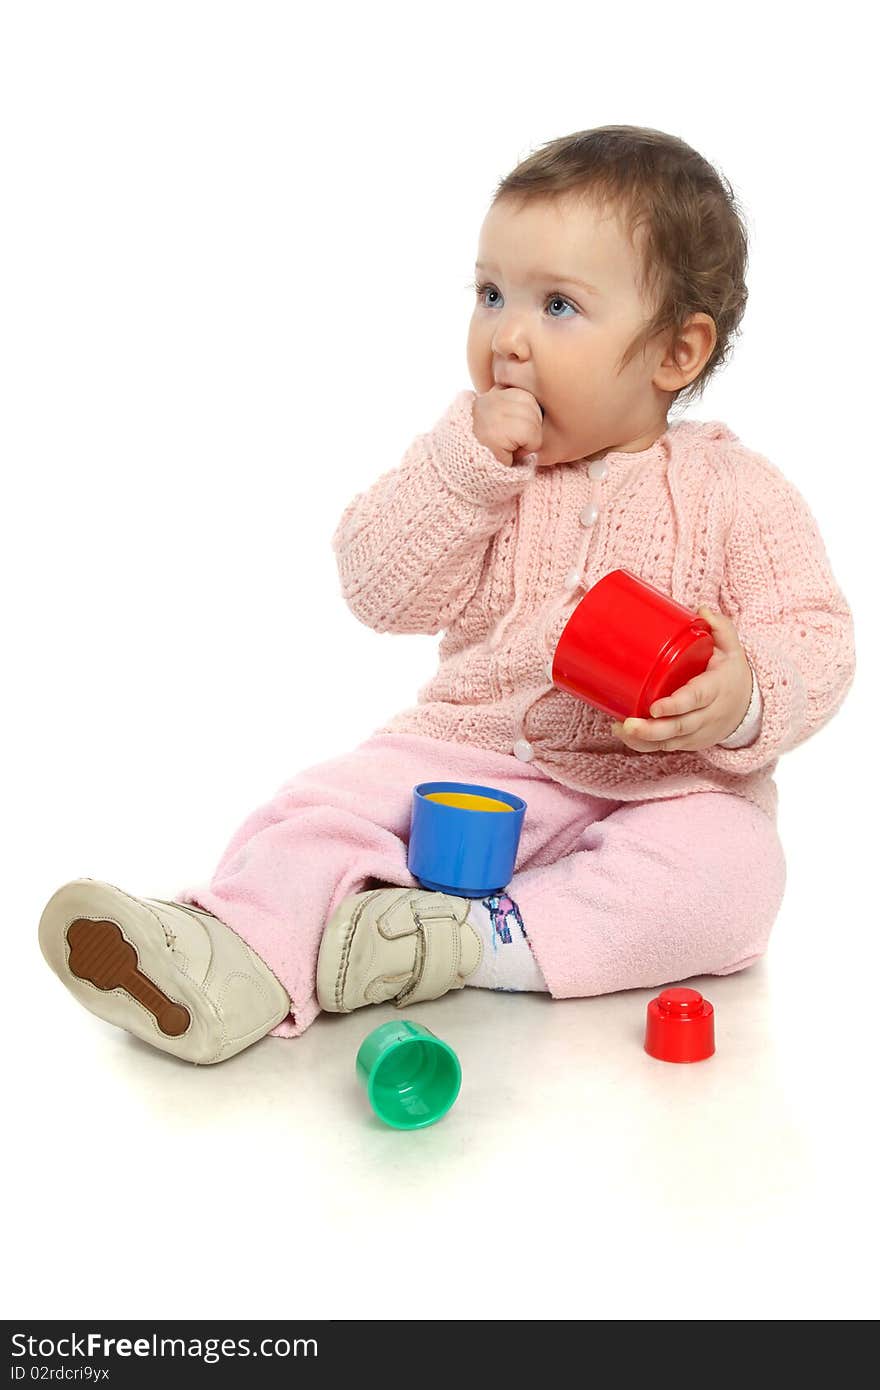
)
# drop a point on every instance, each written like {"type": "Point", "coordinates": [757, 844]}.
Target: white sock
{"type": "Point", "coordinates": [508, 962]}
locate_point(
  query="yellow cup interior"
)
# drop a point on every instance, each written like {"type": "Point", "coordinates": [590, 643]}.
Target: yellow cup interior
{"type": "Point", "coordinates": [469, 801]}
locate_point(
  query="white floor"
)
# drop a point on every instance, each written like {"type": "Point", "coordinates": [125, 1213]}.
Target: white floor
{"type": "Point", "coordinates": [575, 1177]}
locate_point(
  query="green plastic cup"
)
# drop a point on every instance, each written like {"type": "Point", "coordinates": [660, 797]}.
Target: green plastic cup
{"type": "Point", "coordinates": [411, 1076]}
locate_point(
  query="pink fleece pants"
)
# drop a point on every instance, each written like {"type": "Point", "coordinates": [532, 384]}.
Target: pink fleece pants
{"type": "Point", "coordinates": [613, 894]}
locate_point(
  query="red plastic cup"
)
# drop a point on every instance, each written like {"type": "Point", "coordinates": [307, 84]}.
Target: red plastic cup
{"type": "Point", "coordinates": [680, 1026]}
{"type": "Point", "coordinates": [628, 644]}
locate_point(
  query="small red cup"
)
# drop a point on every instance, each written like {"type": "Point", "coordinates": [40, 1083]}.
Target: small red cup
{"type": "Point", "coordinates": [628, 644]}
{"type": "Point", "coordinates": [680, 1026]}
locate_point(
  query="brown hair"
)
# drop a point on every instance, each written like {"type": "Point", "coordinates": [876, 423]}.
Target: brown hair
{"type": "Point", "coordinates": [694, 242]}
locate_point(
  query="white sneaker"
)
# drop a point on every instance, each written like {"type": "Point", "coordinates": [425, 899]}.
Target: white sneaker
{"type": "Point", "coordinates": [170, 973]}
{"type": "Point", "coordinates": [405, 944]}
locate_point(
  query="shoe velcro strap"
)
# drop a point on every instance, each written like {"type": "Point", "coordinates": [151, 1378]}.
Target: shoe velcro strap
{"type": "Point", "coordinates": [438, 950]}
{"type": "Point", "coordinates": [397, 919]}
{"type": "Point", "coordinates": [404, 912]}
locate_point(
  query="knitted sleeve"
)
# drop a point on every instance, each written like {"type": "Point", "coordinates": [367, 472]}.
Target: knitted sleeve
{"type": "Point", "coordinates": [792, 619]}
{"type": "Point", "coordinates": [410, 549]}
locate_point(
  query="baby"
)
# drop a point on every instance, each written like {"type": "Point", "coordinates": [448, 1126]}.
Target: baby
{"type": "Point", "coordinates": [609, 285]}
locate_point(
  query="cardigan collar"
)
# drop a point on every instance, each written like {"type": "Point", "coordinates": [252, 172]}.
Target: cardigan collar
{"type": "Point", "coordinates": [690, 433]}
{"type": "Point", "coordinates": [698, 431]}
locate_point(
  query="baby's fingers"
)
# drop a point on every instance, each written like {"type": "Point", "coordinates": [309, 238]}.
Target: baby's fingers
{"type": "Point", "coordinates": [637, 745]}
{"type": "Point", "coordinates": [699, 692]}
{"type": "Point", "coordinates": [647, 735]}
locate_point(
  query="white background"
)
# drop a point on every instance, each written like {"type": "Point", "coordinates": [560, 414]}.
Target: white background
{"type": "Point", "coordinates": [234, 243]}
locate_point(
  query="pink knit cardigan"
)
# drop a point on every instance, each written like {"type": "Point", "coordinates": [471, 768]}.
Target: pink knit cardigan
{"type": "Point", "coordinates": [497, 557]}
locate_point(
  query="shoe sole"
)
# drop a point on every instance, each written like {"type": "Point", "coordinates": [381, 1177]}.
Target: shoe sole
{"type": "Point", "coordinates": [110, 950]}
{"type": "Point", "coordinates": [100, 954]}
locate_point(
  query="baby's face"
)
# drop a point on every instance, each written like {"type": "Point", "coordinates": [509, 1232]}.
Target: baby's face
{"type": "Point", "coordinates": [535, 327]}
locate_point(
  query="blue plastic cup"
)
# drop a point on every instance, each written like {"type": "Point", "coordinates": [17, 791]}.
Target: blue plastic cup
{"type": "Point", "coordinates": [410, 1075]}
{"type": "Point", "coordinates": [464, 839]}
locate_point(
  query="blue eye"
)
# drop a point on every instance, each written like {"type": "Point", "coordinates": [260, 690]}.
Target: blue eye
{"type": "Point", "coordinates": [551, 299]}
